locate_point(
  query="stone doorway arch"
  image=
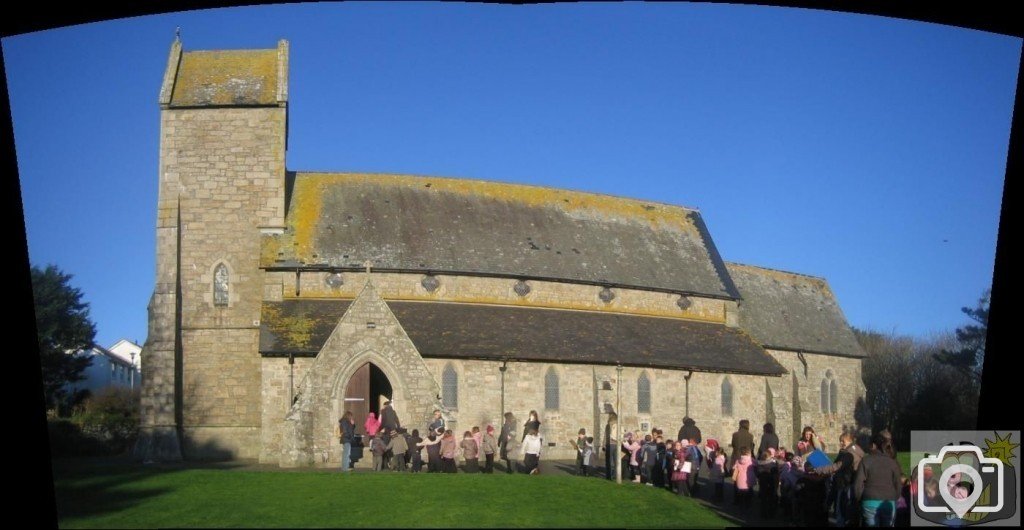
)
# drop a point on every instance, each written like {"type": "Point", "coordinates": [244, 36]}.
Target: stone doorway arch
{"type": "Point", "coordinates": [365, 392]}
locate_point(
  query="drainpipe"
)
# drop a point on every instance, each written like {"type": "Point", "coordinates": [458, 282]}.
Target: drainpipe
{"type": "Point", "coordinates": [502, 368]}
{"type": "Point", "coordinates": [291, 380]}
{"type": "Point", "coordinates": [687, 377]}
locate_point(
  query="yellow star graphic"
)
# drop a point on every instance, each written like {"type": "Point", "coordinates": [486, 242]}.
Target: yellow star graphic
{"type": "Point", "coordinates": [1001, 448]}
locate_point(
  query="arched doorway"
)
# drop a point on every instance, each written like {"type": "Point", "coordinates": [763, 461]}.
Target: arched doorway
{"type": "Point", "coordinates": [366, 391]}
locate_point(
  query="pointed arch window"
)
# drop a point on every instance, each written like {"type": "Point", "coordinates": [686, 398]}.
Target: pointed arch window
{"type": "Point", "coordinates": [450, 387]}
{"type": "Point", "coordinates": [726, 397]}
{"type": "Point", "coordinates": [829, 394]}
{"type": "Point", "coordinates": [551, 390]}
{"type": "Point", "coordinates": [643, 394]}
{"type": "Point", "coordinates": [220, 285]}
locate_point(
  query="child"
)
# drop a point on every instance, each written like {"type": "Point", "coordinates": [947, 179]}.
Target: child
{"type": "Point", "coordinates": [680, 473]}
{"type": "Point", "coordinates": [743, 477]}
{"type": "Point", "coordinates": [697, 458]}
{"type": "Point", "coordinates": [531, 452]}
{"type": "Point", "coordinates": [717, 476]}
{"type": "Point", "coordinates": [448, 447]}
{"type": "Point", "coordinates": [398, 447]}
{"type": "Point", "coordinates": [810, 498]}
{"type": "Point", "coordinates": [588, 455]}
{"type": "Point", "coordinates": [433, 445]}
{"type": "Point", "coordinates": [490, 446]}
{"type": "Point", "coordinates": [647, 459]}
{"type": "Point", "coordinates": [415, 455]}
{"type": "Point", "coordinates": [378, 448]}
{"type": "Point", "coordinates": [631, 446]}
{"type": "Point", "coordinates": [788, 476]}
{"type": "Point", "coordinates": [471, 452]}
{"type": "Point", "coordinates": [578, 444]}
{"type": "Point", "coordinates": [478, 437]}
{"type": "Point", "coordinates": [768, 484]}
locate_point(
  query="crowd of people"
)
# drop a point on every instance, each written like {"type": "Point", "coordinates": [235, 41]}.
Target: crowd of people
{"type": "Point", "coordinates": [859, 487]}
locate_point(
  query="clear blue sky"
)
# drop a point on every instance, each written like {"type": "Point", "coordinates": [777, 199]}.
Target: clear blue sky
{"type": "Point", "coordinates": [867, 150]}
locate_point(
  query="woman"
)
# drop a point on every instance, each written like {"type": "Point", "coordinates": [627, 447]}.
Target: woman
{"type": "Point", "coordinates": [346, 431]}
{"type": "Point", "coordinates": [531, 452]}
{"type": "Point", "coordinates": [769, 440]}
{"type": "Point", "coordinates": [448, 447]}
{"type": "Point", "coordinates": [877, 484]}
{"type": "Point", "coordinates": [531, 424]}
{"type": "Point", "coordinates": [809, 442]}
{"type": "Point", "coordinates": [508, 436]}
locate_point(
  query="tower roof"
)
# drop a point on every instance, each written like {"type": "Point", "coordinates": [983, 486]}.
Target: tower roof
{"type": "Point", "coordinates": [226, 78]}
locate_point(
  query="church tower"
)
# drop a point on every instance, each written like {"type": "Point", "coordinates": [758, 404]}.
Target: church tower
{"type": "Point", "coordinates": [223, 126]}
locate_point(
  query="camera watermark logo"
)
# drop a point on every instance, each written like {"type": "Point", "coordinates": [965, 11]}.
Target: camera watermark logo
{"type": "Point", "coordinates": [964, 478]}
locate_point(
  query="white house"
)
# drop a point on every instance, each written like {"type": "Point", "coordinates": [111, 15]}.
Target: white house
{"type": "Point", "coordinates": [114, 366]}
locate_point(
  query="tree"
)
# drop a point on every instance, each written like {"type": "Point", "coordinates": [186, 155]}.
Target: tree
{"type": "Point", "coordinates": [63, 329]}
{"type": "Point", "coordinates": [969, 352]}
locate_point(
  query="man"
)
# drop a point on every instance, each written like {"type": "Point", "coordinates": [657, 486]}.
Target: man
{"type": "Point", "coordinates": [388, 424]}
{"type": "Point", "coordinates": [389, 418]}
{"type": "Point", "coordinates": [689, 431]}
{"type": "Point", "coordinates": [437, 424]}
{"type": "Point", "coordinates": [740, 439]}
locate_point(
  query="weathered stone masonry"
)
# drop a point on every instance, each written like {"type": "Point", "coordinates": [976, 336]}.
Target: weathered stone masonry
{"type": "Point", "coordinates": [467, 275]}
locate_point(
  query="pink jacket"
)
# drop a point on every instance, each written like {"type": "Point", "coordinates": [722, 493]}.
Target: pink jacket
{"type": "Point", "coordinates": [744, 473]}
{"type": "Point", "coordinates": [634, 449]}
{"type": "Point", "coordinates": [372, 424]}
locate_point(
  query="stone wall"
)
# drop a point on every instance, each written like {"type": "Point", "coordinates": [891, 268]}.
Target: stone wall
{"type": "Point", "coordinates": [848, 374]}
{"type": "Point", "coordinates": [582, 400]}
{"type": "Point", "coordinates": [222, 180]}
{"type": "Point", "coordinates": [481, 290]}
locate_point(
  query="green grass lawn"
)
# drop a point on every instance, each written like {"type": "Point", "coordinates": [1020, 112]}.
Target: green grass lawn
{"type": "Point", "coordinates": [91, 494]}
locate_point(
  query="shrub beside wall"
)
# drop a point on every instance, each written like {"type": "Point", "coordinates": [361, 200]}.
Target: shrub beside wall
{"type": "Point", "coordinates": [106, 424]}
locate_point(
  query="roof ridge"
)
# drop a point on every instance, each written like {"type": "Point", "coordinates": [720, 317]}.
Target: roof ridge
{"type": "Point", "coordinates": [822, 278]}
{"type": "Point", "coordinates": [298, 172]}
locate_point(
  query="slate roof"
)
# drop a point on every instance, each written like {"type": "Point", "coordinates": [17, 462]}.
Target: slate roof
{"type": "Point", "coordinates": [469, 331]}
{"type": "Point", "coordinates": [790, 311]}
{"type": "Point", "coordinates": [226, 77]}
{"type": "Point", "coordinates": [444, 225]}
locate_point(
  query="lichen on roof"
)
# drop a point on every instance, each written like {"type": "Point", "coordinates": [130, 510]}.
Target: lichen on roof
{"type": "Point", "coordinates": [226, 78]}
{"type": "Point", "coordinates": [787, 310]}
{"type": "Point", "coordinates": [472, 226]}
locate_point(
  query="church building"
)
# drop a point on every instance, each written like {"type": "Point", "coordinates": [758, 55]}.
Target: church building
{"type": "Point", "coordinates": [284, 298]}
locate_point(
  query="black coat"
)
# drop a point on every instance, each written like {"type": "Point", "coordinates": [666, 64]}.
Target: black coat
{"type": "Point", "coordinates": [769, 439]}
{"type": "Point", "coordinates": [690, 431]}
{"type": "Point", "coordinates": [389, 419]}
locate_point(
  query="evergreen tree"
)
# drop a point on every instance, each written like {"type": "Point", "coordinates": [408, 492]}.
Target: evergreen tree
{"type": "Point", "coordinates": [63, 328]}
{"type": "Point", "coordinates": [969, 352]}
